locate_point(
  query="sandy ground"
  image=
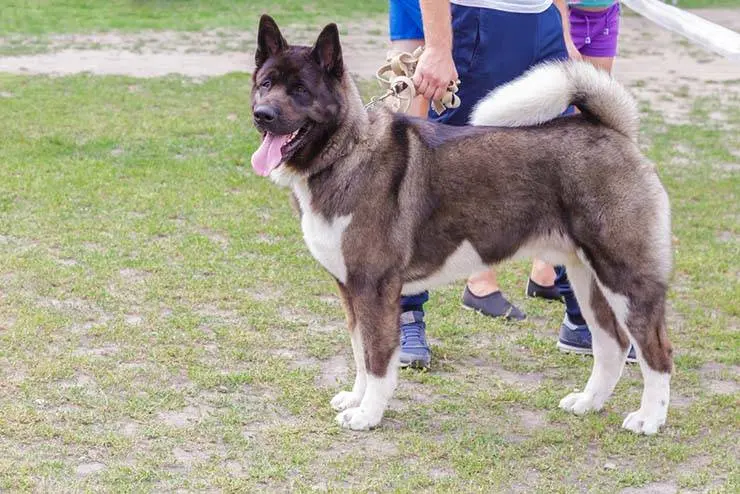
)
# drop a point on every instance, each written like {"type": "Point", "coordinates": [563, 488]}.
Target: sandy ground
{"type": "Point", "coordinates": [663, 69]}
{"type": "Point", "coordinates": [195, 54]}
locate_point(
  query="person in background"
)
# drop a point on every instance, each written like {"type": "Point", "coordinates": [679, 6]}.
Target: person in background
{"type": "Point", "coordinates": [487, 43]}
{"type": "Point", "coordinates": [594, 30]}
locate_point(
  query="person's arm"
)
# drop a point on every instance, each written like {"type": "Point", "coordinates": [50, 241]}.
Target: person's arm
{"type": "Point", "coordinates": [436, 67]}
{"type": "Point", "coordinates": [573, 52]}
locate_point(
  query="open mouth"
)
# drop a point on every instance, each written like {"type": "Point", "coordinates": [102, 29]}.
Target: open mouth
{"type": "Point", "coordinates": [276, 149]}
{"type": "Point", "coordinates": [294, 141]}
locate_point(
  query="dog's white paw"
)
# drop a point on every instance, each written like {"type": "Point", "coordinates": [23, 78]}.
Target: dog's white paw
{"type": "Point", "coordinates": [357, 419]}
{"type": "Point", "coordinates": [344, 400]}
{"type": "Point", "coordinates": [579, 403]}
{"type": "Point", "coordinates": [644, 422]}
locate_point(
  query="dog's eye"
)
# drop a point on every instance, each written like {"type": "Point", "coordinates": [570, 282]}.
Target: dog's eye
{"type": "Point", "coordinates": [300, 89]}
{"type": "Point", "coordinates": [266, 83]}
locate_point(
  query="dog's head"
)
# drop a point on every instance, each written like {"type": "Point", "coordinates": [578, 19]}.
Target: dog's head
{"type": "Point", "coordinates": [296, 97]}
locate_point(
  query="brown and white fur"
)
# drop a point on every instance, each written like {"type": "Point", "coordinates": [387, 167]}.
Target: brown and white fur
{"type": "Point", "coordinates": [393, 205]}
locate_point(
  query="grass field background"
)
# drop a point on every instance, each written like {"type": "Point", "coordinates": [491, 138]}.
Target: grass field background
{"type": "Point", "coordinates": [163, 327]}
{"type": "Point", "coordinates": [73, 16]}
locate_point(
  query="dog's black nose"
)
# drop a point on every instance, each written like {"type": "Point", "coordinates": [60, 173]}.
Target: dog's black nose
{"type": "Point", "coordinates": [265, 113]}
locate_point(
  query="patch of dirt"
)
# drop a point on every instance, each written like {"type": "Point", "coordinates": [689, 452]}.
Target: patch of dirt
{"type": "Point", "coordinates": [78, 381]}
{"type": "Point", "coordinates": [213, 313]}
{"type": "Point", "coordinates": [12, 373]}
{"type": "Point", "coordinates": [17, 244]}
{"type": "Point", "coordinates": [267, 418]}
{"type": "Point", "coordinates": [214, 237]}
{"type": "Point", "coordinates": [264, 294]}
{"type": "Point", "coordinates": [190, 456]}
{"type": "Point", "coordinates": [720, 379]}
{"type": "Point", "coordinates": [186, 417]}
{"type": "Point", "coordinates": [102, 351]}
{"type": "Point", "coordinates": [440, 473]}
{"type": "Point", "coordinates": [133, 275]}
{"type": "Point", "coordinates": [264, 238]}
{"type": "Point", "coordinates": [86, 469]}
{"type": "Point", "coordinates": [234, 468]}
{"type": "Point", "coordinates": [528, 380]}
{"type": "Point", "coordinates": [293, 315]}
{"type": "Point", "coordinates": [531, 478]}
{"type": "Point", "coordinates": [129, 429]}
{"type": "Point", "coordinates": [330, 300]}
{"type": "Point", "coordinates": [368, 445]}
{"type": "Point", "coordinates": [334, 371]}
{"type": "Point", "coordinates": [681, 402]}
{"type": "Point", "coordinates": [70, 305]}
{"type": "Point", "coordinates": [666, 71]}
{"type": "Point", "coordinates": [313, 322]}
{"type": "Point", "coordinates": [411, 394]}
{"type": "Point", "coordinates": [532, 419]}
{"type": "Point", "coordinates": [92, 247]}
{"type": "Point", "coordinates": [723, 387]}
{"type": "Point", "coordinates": [654, 488]}
{"type": "Point", "coordinates": [7, 322]}
{"type": "Point", "coordinates": [202, 54]}
{"type": "Point", "coordinates": [336, 326]}
{"type": "Point", "coordinates": [133, 319]}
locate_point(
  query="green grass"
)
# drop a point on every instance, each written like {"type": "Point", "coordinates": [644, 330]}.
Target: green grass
{"type": "Point", "coordinates": [71, 16]}
{"type": "Point", "coordinates": [702, 4]}
{"type": "Point", "coordinates": [162, 325]}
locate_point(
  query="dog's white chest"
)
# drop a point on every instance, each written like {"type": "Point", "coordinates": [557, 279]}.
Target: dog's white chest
{"type": "Point", "coordinates": [323, 237]}
{"type": "Point", "coordinates": [324, 240]}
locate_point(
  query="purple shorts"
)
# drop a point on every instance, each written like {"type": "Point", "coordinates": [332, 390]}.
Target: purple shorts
{"type": "Point", "coordinates": [595, 33]}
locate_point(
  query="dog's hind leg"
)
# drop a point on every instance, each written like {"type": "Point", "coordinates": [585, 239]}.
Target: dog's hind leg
{"type": "Point", "coordinates": [610, 344]}
{"type": "Point", "coordinates": [376, 307]}
{"type": "Point", "coordinates": [643, 314]}
{"type": "Point", "coordinates": [349, 399]}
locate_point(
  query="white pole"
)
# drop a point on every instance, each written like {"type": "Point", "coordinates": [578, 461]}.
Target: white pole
{"type": "Point", "coordinates": [709, 35]}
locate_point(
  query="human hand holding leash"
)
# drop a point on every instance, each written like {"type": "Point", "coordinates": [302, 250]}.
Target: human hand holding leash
{"type": "Point", "coordinates": [434, 72]}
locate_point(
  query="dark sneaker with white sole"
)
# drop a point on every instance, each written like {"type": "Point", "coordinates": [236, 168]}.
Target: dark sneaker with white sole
{"type": "Point", "coordinates": [415, 351]}
{"type": "Point", "coordinates": [492, 305]}
{"type": "Point", "coordinates": [576, 338]}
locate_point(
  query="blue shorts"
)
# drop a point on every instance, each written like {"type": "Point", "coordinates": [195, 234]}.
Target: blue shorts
{"type": "Point", "coordinates": [405, 20]}
{"type": "Point", "coordinates": [490, 47]}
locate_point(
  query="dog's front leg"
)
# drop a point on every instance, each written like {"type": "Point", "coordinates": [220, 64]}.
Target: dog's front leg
{"type": "Point", "coordinates": [351, 399]}
{"type": "Point", "coordinates": [375, 304]}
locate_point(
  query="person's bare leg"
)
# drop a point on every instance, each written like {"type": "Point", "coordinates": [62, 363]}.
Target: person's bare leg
{"type": "Point", "coordinates": [420, 105]}
{"type": "Point", "coordinates": [542, 273]}
{"type": "Point", "coordinates": [603, 63]}
{"type": "Point", "coordinates": [483, 283]}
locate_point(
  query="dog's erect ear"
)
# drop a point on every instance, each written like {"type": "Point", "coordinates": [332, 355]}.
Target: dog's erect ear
{"type": "Point", "coordinates": [328, 52]}
{"type": "Point", "coordinates": [269, 40]}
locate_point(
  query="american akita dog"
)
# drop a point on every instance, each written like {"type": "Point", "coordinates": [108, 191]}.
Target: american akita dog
{"type": "Point", "coordinates": [395, 205]}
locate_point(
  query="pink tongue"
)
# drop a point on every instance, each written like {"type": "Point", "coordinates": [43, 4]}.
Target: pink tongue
{"type": "Point", "coordinates": [268, 156]}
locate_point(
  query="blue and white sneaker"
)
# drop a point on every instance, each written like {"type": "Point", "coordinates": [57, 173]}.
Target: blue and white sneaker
{"type": "Point", "coordinates": [415, 351]}
{"type": "Point", "coordinates": [576, 338]}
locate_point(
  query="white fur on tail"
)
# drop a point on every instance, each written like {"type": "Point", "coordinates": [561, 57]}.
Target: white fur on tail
{"type": "Point", "coordinates": [545, 91]}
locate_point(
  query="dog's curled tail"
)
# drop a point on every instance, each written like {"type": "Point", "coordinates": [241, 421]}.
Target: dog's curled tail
{"type": "Point", "coordinates": [545, 91]}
